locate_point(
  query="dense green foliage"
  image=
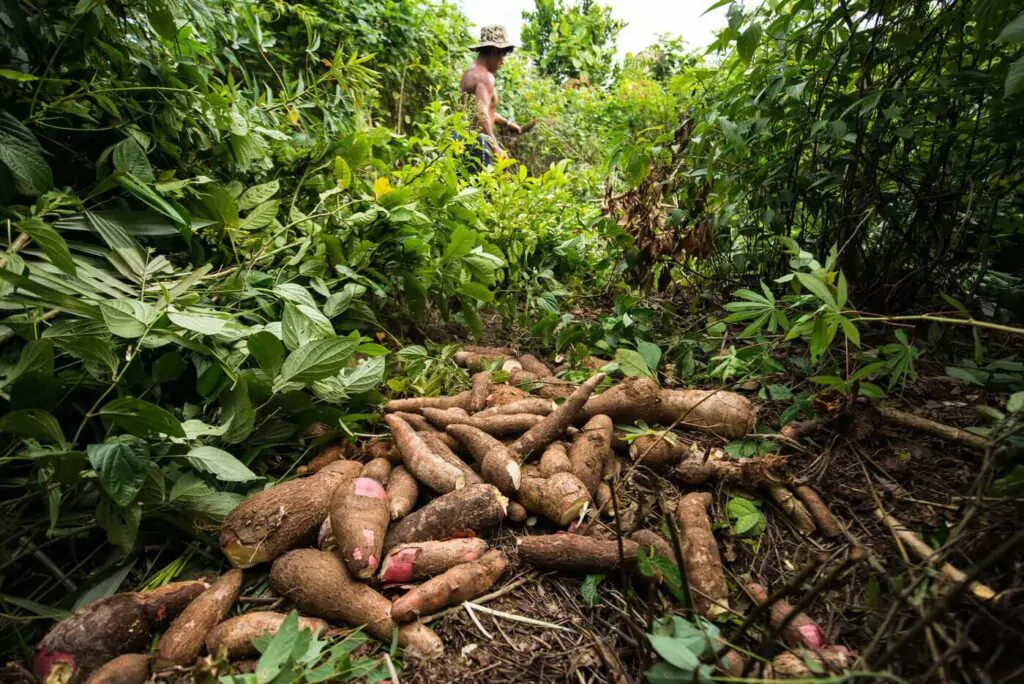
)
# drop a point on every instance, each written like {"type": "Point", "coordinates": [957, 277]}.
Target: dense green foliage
{"type": "Point", "coordinates": [225, 222]}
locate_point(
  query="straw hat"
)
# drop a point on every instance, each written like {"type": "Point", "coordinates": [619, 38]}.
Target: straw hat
{"type": "Point", "coordinates": [495, 36]}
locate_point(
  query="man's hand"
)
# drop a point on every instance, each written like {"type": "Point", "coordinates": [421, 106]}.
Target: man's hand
{"type": "Point", "coordinates": [515, 128]}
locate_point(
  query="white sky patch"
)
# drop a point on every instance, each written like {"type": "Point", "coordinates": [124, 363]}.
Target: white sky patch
{"type": "Point", "coordinates": [645, 19]}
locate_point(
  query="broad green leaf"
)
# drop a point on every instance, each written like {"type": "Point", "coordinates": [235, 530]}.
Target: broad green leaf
{"type": "Point", "coordinates": [120, 523]}
{"type": "Point", "coordinates": [339, 302]}
{"type": "Point", "coordinates": [268, 352]}
{"type": "Point", "coordinates": [221, 464]}
{"type": "Point", "coordinates": [1013, 32]}
{"type": "Point", "coordinates": [130, 158]}
{"type": "Point", "coordinates": [295, 293]}
{"type": "Point", "coordinates": [368, 375]}
{"type": "Point", "coordinates": [127, 318]}
{"type": "Point", "coordinates": [279, 651]}
{"type": "Point", "coordinates": [257, 195]}
{"type": "Point", "coordinates": [195, 496]}
{"type": "Point", "coordinates": [850, 330]}
{"type": "Point", "coordinates": [589, 589]}
{"type": "Point", "coordinates": [1015, 78]}
{"type": "Point", "coordinates": [317, 359]}
{"type": "Point", "coordinates": [651, 354]}
{"type": "Point", "coordinates": [1016, 403]}
{"type": "Point", "coordinates": [841, 292]}
{"type": "Point", "coordinates": [197, 321]}
{"type": "Point", "coordinates": [674, 651]}
{"type": "Point", "coordinates": [37, 355]}
{"type": "Point", "coordinates": [632, 364]}
{"type": "Point", "coordinates": [818, 288]}
{"type": "Point", "coordinates": [261, 216]}
{"type": "Point", "coordinates": [748, 41]}
{"type": "Point", "coordinates": [141, 418]}
{"type": "Point", "coordinates": [342, 173]}
{"type": "Point", "coordinates": [25, 161]}
{"type": "Point", "coordinates": [121, 464]}
{"type": "Point", "coordinates": [238, 414]}
{"type": "Point", "coordinates": [51, 242]}
{"type": "Point", "coordinates": [473, 320]}
{"type": "Point", "coordinates": [33, 423]}
{"type": "Point", "coordinates": [461, 243]}
{"type": "Point", "coordinates": [476, 291]}
{"type": "Point", "coordinates": [19, 76]}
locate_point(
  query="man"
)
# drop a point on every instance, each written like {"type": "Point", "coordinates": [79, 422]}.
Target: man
{"type": "Point", "coordinates": [478, 83]}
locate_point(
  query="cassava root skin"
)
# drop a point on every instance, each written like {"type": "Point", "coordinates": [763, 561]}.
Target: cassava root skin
{"type": "Point", "coordinates": [102, 630]}
{"type": "Point", "coordinates": [801, 630]}
{"type": "Point", "coordinates": [329, 454]}
{"type": "Point", "coordinates": [235, 635]}
{"type": "Point", "coordinates": [820, 513]}
{"type": "Point", "coordinates": [441, 444]}
{"type": "Point", "coordinates": [516, 512]}
{"type": "Point", "coordinates": [559, 498]}
{"type": "Point", "coordinates": [460, 400]}
{"type": "Point", "coordinates": [183, 641]}
{"type": "Point", "coordinates": [574, 552]}
{"type": "Point", "coordinates": [531, 363]}
{"type": "Point", "coordinates": [704, 571]}
{"type": "Point", "coordinates": [535, 405]}
{"type": "Point", "coordinates": [359, 521]}
{"type": "Point", "coordinates": [726, 414]}
{"type": "Point", "coordinates": [629, 401]}
{"type": "Point", "coordinates": [130, 668]}
{"type": "Point", "coordinates": [555, 460]}
{"type": "Point", "coordinates": [548, 387]}
{"type": "Point", "coordinates": [287, 515]}
{"type": "Point", "coordinates": [476, 509]}
{"type": "Point", "coordinates": [698, 468]}
{"type": "Point", "coordinates": [416, 561]}
{"type": "Point", "coordinates": [378, 447]}
{"type": "Point", "coordinates": [588, 453]}
{"type": "Point", "coordinates": [378, 469]}
{"type": "Point", "coordinates": [420, 460]}
{"type": "Point", "coordinates": [461, 583]}
{"type": "Point", "coordinates": [496, 425]}
{"type": "Point", "coordinates": [792, 507]}
{"type": "Point", "coordinates": [416, 421]}
{"type": "Point", "coordinates": [552, 426]}
{"type": "Point", "coordinates": [658, 451]}
{"type": "Point", "coordinates": [319, 585]}
{"type": "Point", "coordinates": [478, 395]}
{"type": "Point", "coordinates": [498, 464]}
{"type": "Point", "coordinates": [402, 492]}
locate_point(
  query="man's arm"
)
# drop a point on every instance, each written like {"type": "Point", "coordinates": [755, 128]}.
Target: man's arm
{"type": "Point", "coordinates": [502, 121]}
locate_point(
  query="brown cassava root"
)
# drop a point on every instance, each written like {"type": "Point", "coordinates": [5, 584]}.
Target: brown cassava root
{"type": "Point", "coordinates": [420, 460]}
{"type": "Point", "coordinates": [575, 553]}
{"type": "Point", "coordinates": [414, 405]}
{"type": "Point", "coordinates": [725, 414]}
{"type": "Point", "coordinates": [555, 460]}
{"type": "Point", "coordinates": [801, 630]}
{"type": "Point", "coordinates": [359, 520]}
{"type": "Point", "coordinates": [820, 513]}
{"type": "Point", "coordinates": [554, 424]}
{"type": "Point", "coordinates": [478, 395]}
{"type": "Point", "coordinates": [498, 464]}
{"type": "Point", "coordinates": [461, 583]}
{"type": "Point", "coordinates": [236, 634]}
{"type": "Point", "coordinates": [588, 453]}
{"type": "Point", "coordinates": [317, 582]}
{"type": "Point", "coordinates": [476, 509]}
{"type": "Point", "coordinates": [287, 515]}
{"type": "Point", "coordinates": [496, 425]}
{"type": "Point", "coordinates": [792, 507]}
{"type": "Point", "coordinates": [402, 492]}
{"type": "Point", "coordinates": [418, 560]}
{"type": "Point", "coordinates": [183, 641]}
{"type": "Point", "coordinates": [703, 565]}
{"type": "Point", "coordinates": [559, 498]}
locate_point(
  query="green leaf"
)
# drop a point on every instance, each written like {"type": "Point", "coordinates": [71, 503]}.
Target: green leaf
{"type": "Point", "coordinates": [221, 464]}
{"type": "Point", "coordinates": [849, 329]}
{"type": "Point", "coordinates": [368, 375]}
{"type": "Point", "coordinates": [748, 41]}
{"type": "Point", "coordinates": [18, 76]}
{"type": "Point", "coordinates": [295, 293]}
{"type": "Point", "coordinates": [415, 294]}
{"type": "Point", "coordinates": [33, 423]}
{"type": "Point", "coordinates": [130, 158]}
{"type": "Point", "coordinates": [141, 418]}
{"type": "Point", "coordinates": [342, 173]}
{"type": "Point", "coordinates": [121, 464]}
{"type": "Point", "coordinates": [473, 320]}
{"type": "Point", "coordinates": [818, 288]}
{"type": "Point", "coordinates": [120, 523]}
{"type": "Point", "coordinates": [632, 364]}
{"type": "Point", "coordinates": [127, 318]}
{"type": "Point", "coordinates": [1015, 78]}
{"type": "Point", "coordinates": [268, 352]}
{"type": "Point", "coordinates": [279, 650]}
{"type": "Point", "coordinates": [238, 415]}
{"type": "Point", "coordinates": [339, 302]}
{"type": "Point", "coordinates": [257, 195]}
{"type": "Point", "coordinates": [1016, 403]}
{"type": "Point", "coordinates": [37, 355]}
{"type": "Point", "coordinates": [675, 652]}
{"type": "Point", "coordinates": [51, 242]}
{"type": "Point", "coordinates": [779, 392]}
{"type": "Point", "coordinates": [461, 243]}
{"type": "Point", "coordinates": [197, 321]}
{"type": "Point", "coordinates": [651, 354]}
{"type": "Point", "coordinates": [168, 367]}
{"type": "Point", "coordinates": [22, 155]}
{"type": "Point", "coordinates": [37, 609]}
{"type": "Point", "coordinates": [589, 589]}
{"type": "Point", "coordinates": [261, 216]}
{"type": "Point", "coordinates": [1013, 32]}
{"type": "Point", "coordinates": [194, 495]}
{"type": "Point", "coordinates": [476, 291]}
{"type": "Point", "coordinates": [317, 359]}
{"type": "Point", "coordinates": [841, 290]}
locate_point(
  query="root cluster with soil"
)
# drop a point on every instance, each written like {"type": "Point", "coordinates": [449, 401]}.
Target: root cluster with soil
{"type": "Point", "coordinates": [470, 530]}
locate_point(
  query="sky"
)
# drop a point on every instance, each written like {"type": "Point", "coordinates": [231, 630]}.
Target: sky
{"type": "Point", "coordinates": [645, 19]}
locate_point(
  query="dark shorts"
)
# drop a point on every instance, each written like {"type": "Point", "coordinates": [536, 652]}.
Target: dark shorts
{"type": "Point", "coordinates": [480, 152]}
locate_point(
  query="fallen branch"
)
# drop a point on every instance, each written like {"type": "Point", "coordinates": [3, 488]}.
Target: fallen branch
{"type": "Point", "coordinates": [912, 422]}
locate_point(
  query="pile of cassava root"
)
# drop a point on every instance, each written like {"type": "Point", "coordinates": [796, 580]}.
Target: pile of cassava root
{"type": "Point", "coordinates": [412, 517]}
